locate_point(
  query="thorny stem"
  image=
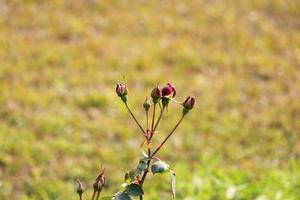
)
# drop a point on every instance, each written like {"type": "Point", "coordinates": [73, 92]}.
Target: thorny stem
{"type": "Point", "coordinates": [150, 156]}
{"type": "Point", "coordinates": [153, 128]}
{"type": "Point", "coordinates": [165, 140]}
{"type": "Point", "coordinates": [146, 171]}
{"type": "Point", "coordinates": [137, 122]}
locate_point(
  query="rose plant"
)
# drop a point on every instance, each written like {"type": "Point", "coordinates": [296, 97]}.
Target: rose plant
{"type": "Point", "coordinates": [135, 178]}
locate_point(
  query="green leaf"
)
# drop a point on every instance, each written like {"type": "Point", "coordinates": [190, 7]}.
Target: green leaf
{"type": "Point", "coordinates": [134, 190]}
{"type": "Point", "coordinates": [159, 167]}
{"type": "Point", "coordinates": [107, 198]}
{"type": "Point", "coordinates": [121, 196]}
{"type": "Point", "coordinates": [142, 164]}
{"type": "Point", "coordinates": [172, 173]}
{"type": "Point", "coordinates": [132, 174]}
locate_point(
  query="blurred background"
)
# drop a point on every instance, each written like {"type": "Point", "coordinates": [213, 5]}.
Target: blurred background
{"type": "Point", "coordinates": [60, 117]}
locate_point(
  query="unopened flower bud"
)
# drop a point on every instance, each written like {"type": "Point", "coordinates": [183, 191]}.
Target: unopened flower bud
{"type": "Point", "coordinates": [80, 188]}
{"type": "Point", "coordinates": [103, 180]}
{"type": "Point", "coordinates": [147, 105]}
{"type": "Point", "coordinates": [156, 94]}
{"type": "Point", "coordinates": [188, 104]}
{"type": "Point", "coordinates": [100, 182]}
{"type": "Point", "coordinates": [122, 91]}
{"type": "Point", "coordinates": [168, 92]}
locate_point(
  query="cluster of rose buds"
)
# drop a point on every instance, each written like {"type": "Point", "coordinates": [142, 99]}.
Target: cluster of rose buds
{"type": "Point", "coordinates": [165, 94]}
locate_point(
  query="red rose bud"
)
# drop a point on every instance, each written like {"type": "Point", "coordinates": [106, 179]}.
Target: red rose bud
{"type": "Point", "coordinates": [173, 88]}
{"type": "Point", "coordinates": [122, 91]}
{"type": "Point", "coordinates": [156, 94]}
{"type": "Point", "coordinates": [188, 104]}
{"type": "Point", "coordinates": [169, 90]}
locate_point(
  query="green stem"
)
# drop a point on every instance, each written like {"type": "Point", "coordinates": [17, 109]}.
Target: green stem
{"type": "Point", "coordinates": [94, 195]}
{"type": "Point", "coordinates": [137, 122]}
{"type": "Point", "coordinates": [153, 117]}
{"type": "Point", "coordinates": [147, 119]}
{"type": "Point", "coordinates": [158, 120]}
{"type": "Point", "coordinates": [165, 140]}
{"type": "Point", "coordinates": [150, 156]}
{"type": "Point", "coordinates": [146, 171]}
{"type": "Point", "coordinates": [98, 194]}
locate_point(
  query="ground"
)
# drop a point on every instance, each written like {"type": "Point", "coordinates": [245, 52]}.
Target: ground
{"type": "Point", "coordinates": [60, 117]}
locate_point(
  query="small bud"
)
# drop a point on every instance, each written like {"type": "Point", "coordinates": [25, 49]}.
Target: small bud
{"type": "Point", "coordinates": [146, 105]}
{"type": "Point", "coordinates": [103, 180]}
{"type": "Point", "coordinates": [122, 91]}
{"type": "Point", "coordinates": [188, 104]}
{"type": "Point", "coordinates": [169, 91]}
{"type": "Point", "coordinates": [80, 188]}
{"type": "Point", "coordinates": [100, 182]}
{"type": "Point", "coordinates": [156, 94]}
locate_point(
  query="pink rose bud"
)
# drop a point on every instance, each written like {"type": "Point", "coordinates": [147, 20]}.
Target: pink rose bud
{"type": "Point", "coordinates": [188, 104]}
{"type": "Point", "coordinates": [169, 90]}
{"type": "Point", "coordinates": [156, 94]}
{"type": "Point", "coordinates": [122, 91]}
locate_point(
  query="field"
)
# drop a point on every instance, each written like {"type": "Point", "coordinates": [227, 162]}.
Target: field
{"type": "Point", "coordinates": [60, 117]}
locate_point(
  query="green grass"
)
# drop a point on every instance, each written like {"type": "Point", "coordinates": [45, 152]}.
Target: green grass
{"type": "Point", "coordinates": [60, 117]}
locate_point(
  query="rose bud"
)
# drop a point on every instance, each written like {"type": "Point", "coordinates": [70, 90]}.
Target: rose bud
{"type": "Point", "coordinates": [188, 104]}
{"type": "Point", "coordinates": [122, 91]}
{"type": "Point", "coordinates": [80, 188]}
{"type": "Point", "coordinates": [156, 94]}
{"type": "Point", "coordinates": [169, 90]}
{"type": "Point", "coordinates": [103, 180]}
{"type": "Point", "coordinates": [147, 105]}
